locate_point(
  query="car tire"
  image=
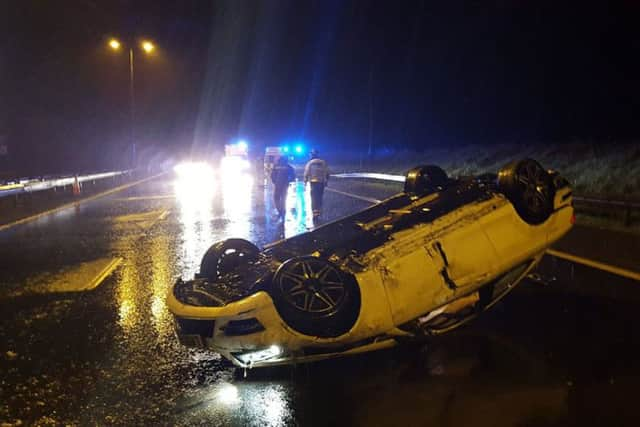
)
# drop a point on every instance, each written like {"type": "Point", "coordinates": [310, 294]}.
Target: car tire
{"type": "Point", "coordinates": [529, 188]}
{"type": "Point", "coordinates": [224, 257]}
{"type": "Point", "coordinates": [426, 179]}
{"type": "Point", "coordinates": [315, 297]}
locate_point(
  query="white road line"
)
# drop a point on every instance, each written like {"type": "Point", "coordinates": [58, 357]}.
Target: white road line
{"type": "Point", "coordinates": [104, 273]}
{"type": "Point", "coordinates": [595, 264]}
{"type": "Point", "coordinates": [163, 215]}
{"type": "Point", "coordinates": [355, 196]}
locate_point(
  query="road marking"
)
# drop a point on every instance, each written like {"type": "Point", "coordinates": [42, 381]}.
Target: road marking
{"type": "Point", "coordinates": [163, 215]}
{"type": "Point", "coordinates": [104, 273]}
{"type": "Point", "coordinates": [77, 202]}
{"type": "Point", "coordinates": [355, 196]}
{"type": "Point", "coordinates": [142, 220]}
{"type": "Point", "coordinates": [131, 199]}
{"type": "Point", "coordinates": [81, 277]}
{"type": "Point", "coordinates": [595, 264]}
{"type": "Point", "coordinates": [140, 216]}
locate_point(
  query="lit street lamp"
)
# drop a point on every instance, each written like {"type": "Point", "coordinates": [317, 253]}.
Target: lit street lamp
{"type": "Point", "coordinates": [114, 44]}
{"type": "Point", "coordinates": [148, 48]}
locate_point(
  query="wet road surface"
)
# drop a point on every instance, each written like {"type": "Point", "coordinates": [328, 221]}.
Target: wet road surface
{"type": "Point", "coordinates": [546, 355]}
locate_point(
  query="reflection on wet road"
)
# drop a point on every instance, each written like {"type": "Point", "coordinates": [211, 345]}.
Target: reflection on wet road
{"type": "Point", "coordinates": [299, 217]}
{"type": "Point", "coordinates": [108, 356]}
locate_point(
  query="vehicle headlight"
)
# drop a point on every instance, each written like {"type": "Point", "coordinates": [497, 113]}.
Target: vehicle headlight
{"type": "Point", "coordinates": [234, 164]}
{"type": "Point", "coordinates": [196, 172]}
{"type": "Point", "coordinates": [194, 181]}
{"type": "Point", "coordinates": [259, 355]}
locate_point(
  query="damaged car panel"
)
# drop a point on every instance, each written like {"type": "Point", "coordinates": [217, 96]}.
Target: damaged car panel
{"type": "Point", "coordinates": [420, 263]}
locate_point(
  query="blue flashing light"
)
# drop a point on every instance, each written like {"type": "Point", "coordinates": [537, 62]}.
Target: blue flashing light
{"type": "Point", "coordinates": [299, 149]}
{"type": "Point", "coordinates": [285, 149]}
{"type": "Point", "coordinates": [242, 144]}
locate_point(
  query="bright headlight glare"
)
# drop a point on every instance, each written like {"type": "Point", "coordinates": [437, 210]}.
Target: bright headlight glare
{"type": "Point", "coordinates": [234, 164]}
{"type": "Point", "coordinates": [194, 183]}
{"type": "Point", "coordinates": [193, 170]}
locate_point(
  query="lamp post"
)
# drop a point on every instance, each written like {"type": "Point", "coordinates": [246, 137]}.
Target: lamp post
{"type": "Point", "coordinates": [148, 48]}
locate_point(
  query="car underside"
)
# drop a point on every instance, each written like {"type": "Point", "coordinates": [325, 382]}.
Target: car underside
{"type": "Point", "coordinates": [421, 263]}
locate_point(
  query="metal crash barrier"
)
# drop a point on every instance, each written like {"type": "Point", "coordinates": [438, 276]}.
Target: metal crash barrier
{"type": "Point", "coordinates": [370, 175]}
{"type": "Point", "coordinates": [34, 185]}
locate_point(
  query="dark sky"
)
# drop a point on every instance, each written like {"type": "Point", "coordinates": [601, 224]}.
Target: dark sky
{"type": "Point", "coordinates": [422, 73]}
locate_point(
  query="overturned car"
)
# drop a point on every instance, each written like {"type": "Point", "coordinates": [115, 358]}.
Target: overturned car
{"type": "Point", "coordinates": [418, 264]}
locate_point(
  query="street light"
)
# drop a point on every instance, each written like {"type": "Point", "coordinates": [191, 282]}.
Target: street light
{"type": "Point", "coordinates": [148, 48]}
{"type": "Point", "coordinates": [114, 44]}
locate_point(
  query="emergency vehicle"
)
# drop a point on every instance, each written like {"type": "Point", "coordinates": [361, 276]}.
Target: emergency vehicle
{"type": "Point", "coordinates": [236, 158]}
{"type": "Point", "coordinates": [271, 156]}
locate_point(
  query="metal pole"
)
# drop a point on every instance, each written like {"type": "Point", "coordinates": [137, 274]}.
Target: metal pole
{"type": "Point", "coordinates": [132, 109]}
{"type": "Point", "coordinates": [370, 150]}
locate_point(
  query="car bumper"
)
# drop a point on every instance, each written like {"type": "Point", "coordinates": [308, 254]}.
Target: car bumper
{"type": "Point", "coordinates": [250, 333]}
{"type": "Point", "coordinates": [280, 356]}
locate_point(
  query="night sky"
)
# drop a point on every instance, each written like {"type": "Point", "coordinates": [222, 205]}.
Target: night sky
{"type": "Point", "coordinates": [421, 73]}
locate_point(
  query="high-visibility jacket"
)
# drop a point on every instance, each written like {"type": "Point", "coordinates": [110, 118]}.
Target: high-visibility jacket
{"type": "Point", "coordinates": [316, 170]}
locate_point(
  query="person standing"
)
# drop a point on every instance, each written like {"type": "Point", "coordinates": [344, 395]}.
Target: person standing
{"type": "Point", "coordinates": [316, 173]}
{"type": "Point", "coordinates": [281, 175]}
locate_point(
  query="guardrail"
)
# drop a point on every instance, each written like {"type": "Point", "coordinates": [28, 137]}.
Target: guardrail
{"type": "Point", "coordinates": [47, 184]}
{"type": "Point", "coordinates": [587, 202]}
{"type": "Point", "coordinates": [590, 203]}
{"type": "Point", "coordinates": [370, 175]}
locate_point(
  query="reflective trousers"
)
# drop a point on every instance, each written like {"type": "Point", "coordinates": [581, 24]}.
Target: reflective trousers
{"type": "Point", "coordinates": [317, 192]}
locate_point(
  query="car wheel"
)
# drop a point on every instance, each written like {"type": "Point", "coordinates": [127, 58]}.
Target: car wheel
{"type": "Point", "coordinates": [224, 257]}
{"type": "Point", "coordinates": [315, 297]}
{"type": "Point", "coordinates": [529, 188]}
{"type": "Point", "coordinates": [423, 180]}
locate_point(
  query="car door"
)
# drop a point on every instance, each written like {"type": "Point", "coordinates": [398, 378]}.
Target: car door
{"type": "Point", "coordinates": [432, 264]}
{"type": "Point", "coordinates": [412, 280]}
{"type": "Point", "coordinates": [468, 257]}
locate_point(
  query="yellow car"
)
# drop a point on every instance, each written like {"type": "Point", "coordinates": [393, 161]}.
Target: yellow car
{"type": "Point", "coordinates": [420, 263]}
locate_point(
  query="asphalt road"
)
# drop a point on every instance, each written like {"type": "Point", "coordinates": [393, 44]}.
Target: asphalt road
{"type": "Point", "coordinates": [545, 356]}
